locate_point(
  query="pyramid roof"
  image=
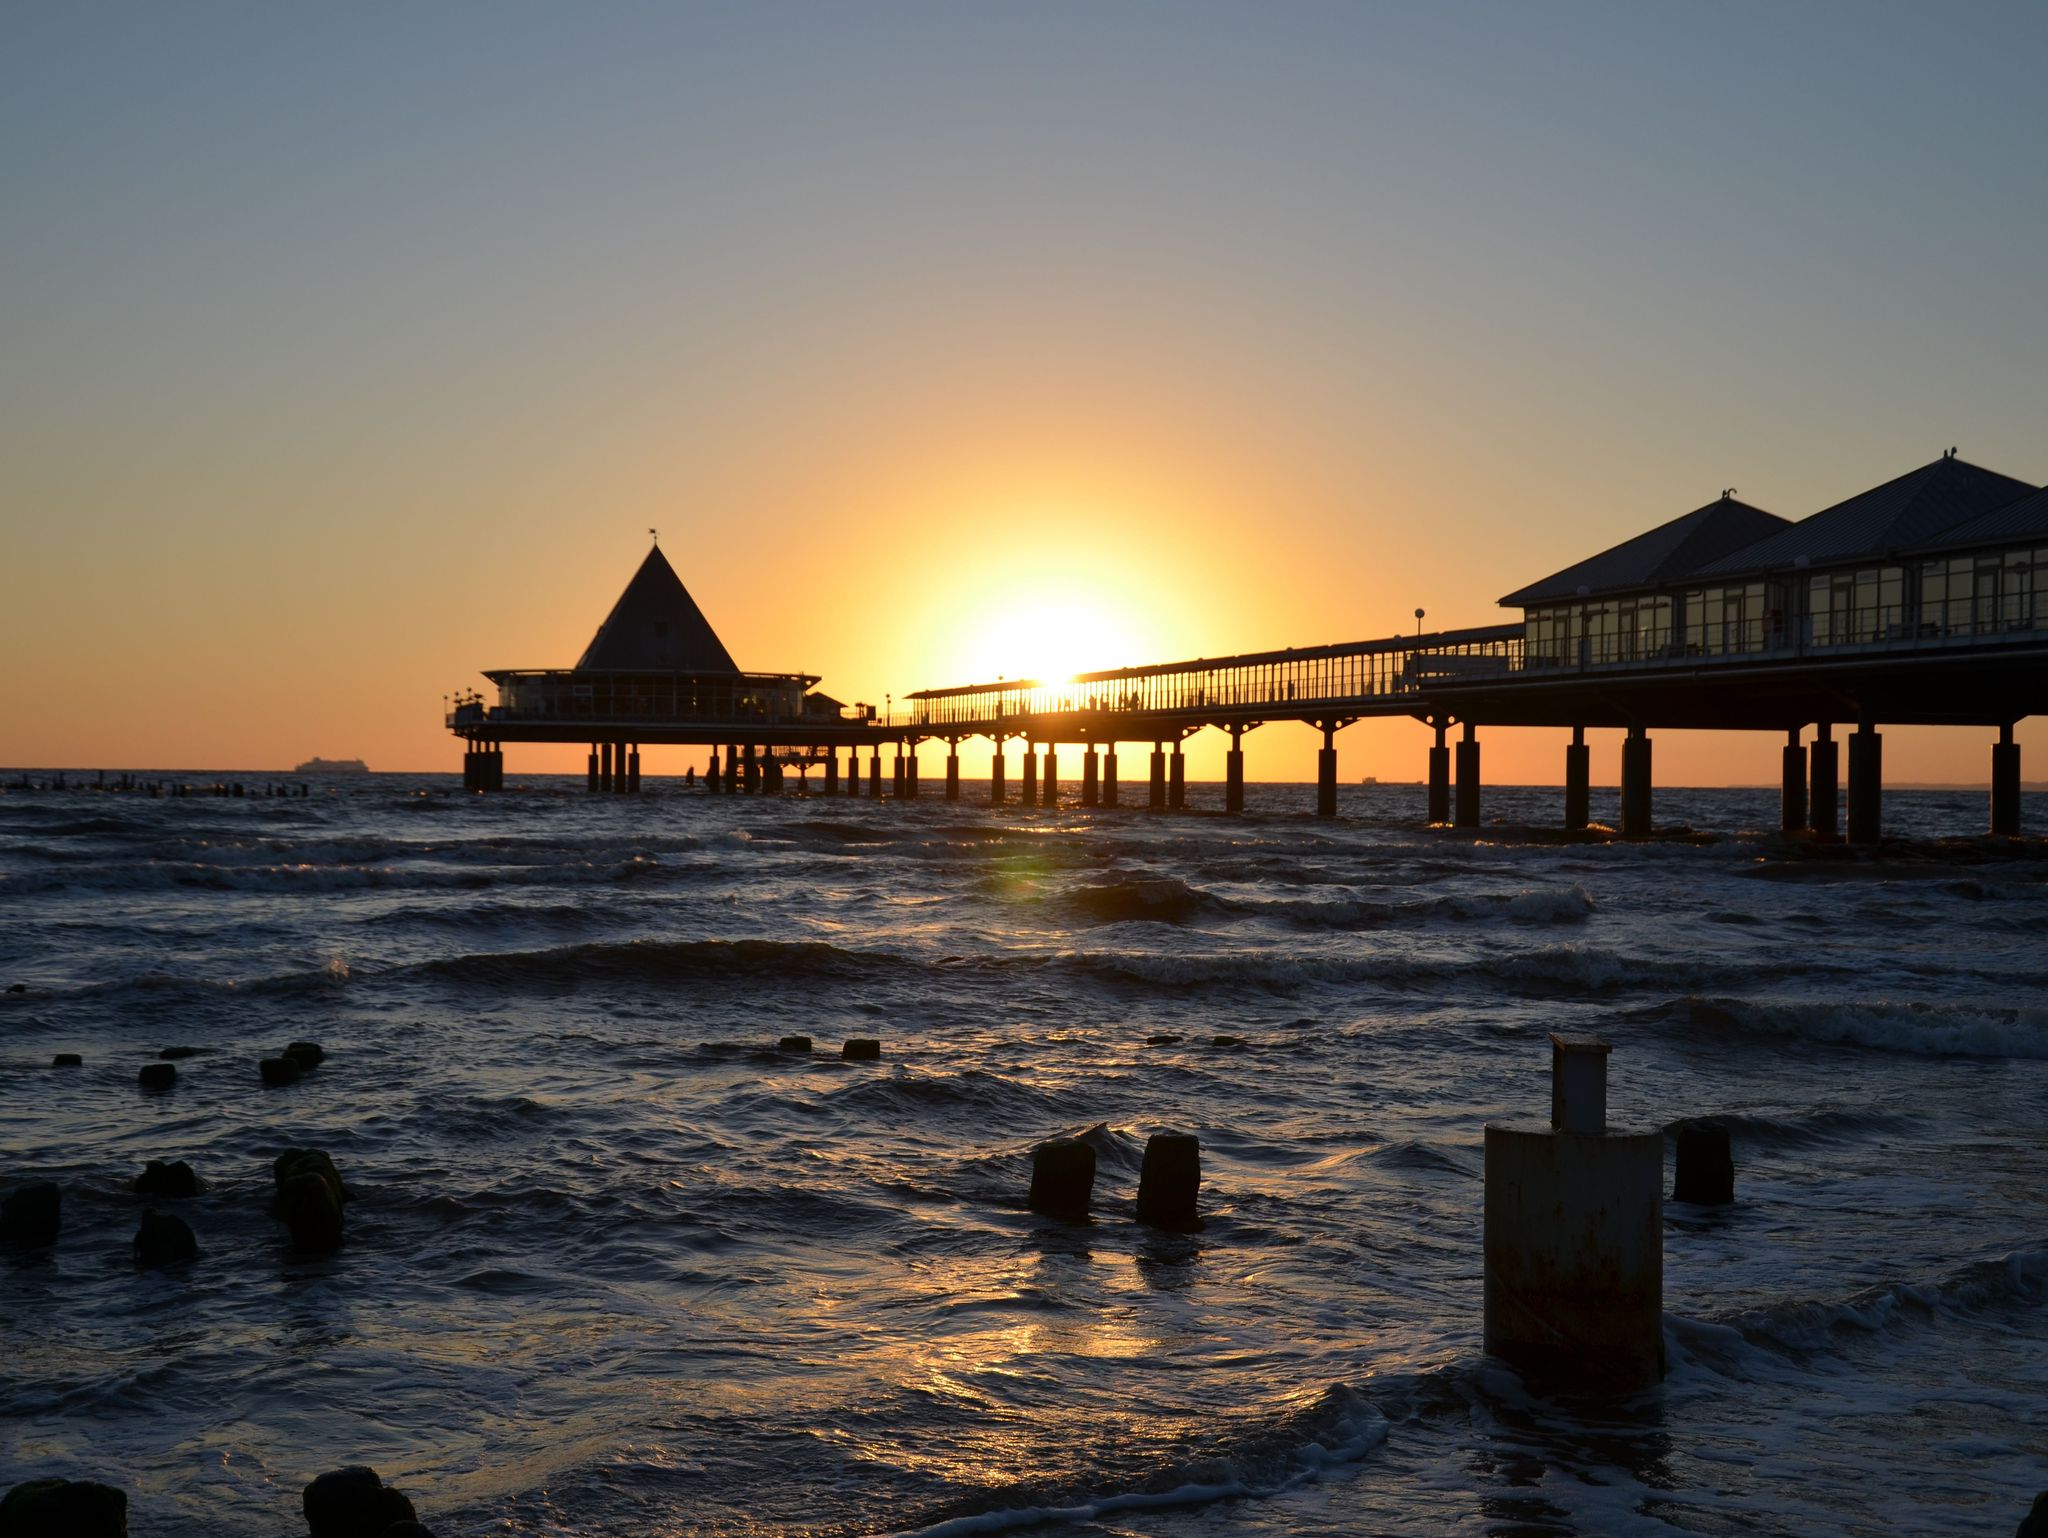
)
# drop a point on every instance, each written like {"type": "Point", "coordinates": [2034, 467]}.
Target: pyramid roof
{"type": "Point", "coordinates": [656, 626]}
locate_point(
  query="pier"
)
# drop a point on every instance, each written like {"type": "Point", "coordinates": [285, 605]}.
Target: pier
{"type": "Point", "coordinates": [1922, 601]}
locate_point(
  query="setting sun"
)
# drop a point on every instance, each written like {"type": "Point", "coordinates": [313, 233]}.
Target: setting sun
{"type": "Point", "coordinates": [1048, 637]}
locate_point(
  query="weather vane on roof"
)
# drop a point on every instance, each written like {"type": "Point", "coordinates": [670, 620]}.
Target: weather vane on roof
{"type": "Point", "coordinates": [655, 535]}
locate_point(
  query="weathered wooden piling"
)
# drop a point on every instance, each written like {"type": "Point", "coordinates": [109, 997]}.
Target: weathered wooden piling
{"type": "Point", "coordinates": [1062, 1177]}
{"type": "Point", "coordinates": [1170, 1181]}
{"type": "Point", "coordinates": [1704, 1165]}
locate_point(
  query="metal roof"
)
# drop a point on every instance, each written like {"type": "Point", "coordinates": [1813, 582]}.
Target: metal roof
{"type": "Point", "coordinates": [656, 626]}
{"type": "Point", "coordinates": [1665, 554]}
{"type": "Point", "coordinates": [2026, 518]}
{"type": "Point", "coordinates": [1917, 509]}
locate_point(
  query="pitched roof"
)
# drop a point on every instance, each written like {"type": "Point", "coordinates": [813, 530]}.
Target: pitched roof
{"type": "Point", "coordinates": [2024, 518]}
{"type": "Point", "coordinates": [656, 626]}
{"type": "Point", "coordinates": [1916, 509]}
{"type": "Point", "coordinates": [1664, 554]}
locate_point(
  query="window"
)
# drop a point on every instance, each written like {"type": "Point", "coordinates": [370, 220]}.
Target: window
{"type": "Point", "coordinates": [1850, 607]}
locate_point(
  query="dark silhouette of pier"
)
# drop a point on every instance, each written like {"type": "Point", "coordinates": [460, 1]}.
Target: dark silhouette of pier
{"type": "Point", "coordinates": [1923, 601]}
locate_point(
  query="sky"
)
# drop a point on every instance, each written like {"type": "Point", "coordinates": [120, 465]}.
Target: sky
{"type": "Point", "coordinates": [348, 351]}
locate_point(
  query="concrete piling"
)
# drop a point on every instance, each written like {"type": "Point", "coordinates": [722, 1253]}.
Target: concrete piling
{"type": "Point", "coordinates": [831, 771]}
{"type": "Point", "coordinates": [1578, 782]}
{"type": "Point", "coordinates": [1027, 783]}
{"type": "Point", "coordinates": [1091, 782]}
{"type": "Point", "coordinates": [1062, 1177]}
{"type": "Point", "coordinates": [1704, 1171]}
{"type": "Point", "coordinates": [1635, 784]}
{"type": "Point", "coordinates": [1792, 795]}
{"type": "Point", "coordinates": [1866, 785]}
{"type": "Point", "coordinates": [996, 788]}
{"type": "Point", "coordinates": [1824, 762]}
{"type": "Point", "coordinates": [1177, 779]}
{"type": "Point", "coordinates": [1467, 812]}
{"type": "Point", "coordinates": [860, 1049]}
{"type": "Point", "coordinates": [953, 771]}
{"type": "Point", "coordinates": [1574, 1241]}
{"type": "Point", "coordinates": [632, 772]}
{"type": "Point", "coordinates": [1233, 773]}
{"type": "Point", "coordinates": [1156, 796]}
{"type": "Point", "coordinates": [1326, 774]}
{"type": "Point", "coordinates": [1049, 782]}
{"type": "Point", "coordinates": [1439, 779]}
{"type": "Point", "coordinates": [910, 779]}
{"type": "Point", "coordinates": [1109, 786]}
{"type": "Point", "coordinates": [1170, 1181]}
{"type": "Point", "coordinates": [875, 774]}
{"type": "Point", "coordinates": [2005, 785]}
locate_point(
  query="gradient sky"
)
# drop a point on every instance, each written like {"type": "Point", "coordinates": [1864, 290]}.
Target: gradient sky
{"type": "Point", "coordinates": [348, 350]}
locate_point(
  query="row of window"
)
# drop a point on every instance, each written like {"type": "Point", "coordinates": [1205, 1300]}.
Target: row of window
{"type": "Point", "coordinates": [1967, 595]}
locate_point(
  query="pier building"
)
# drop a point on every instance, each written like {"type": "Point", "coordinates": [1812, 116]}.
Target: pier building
{"type": "Point", "coordinates": [1921, 601]}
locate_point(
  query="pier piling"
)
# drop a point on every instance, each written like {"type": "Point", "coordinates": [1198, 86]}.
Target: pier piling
{"type": "Point", "coordinates": [1109, 788]}
{"type": "Point", "coordinates": [1233, 773]}
{"type": "Point", "coordinates": [1704, 1166]}
{"type": "Point", "coordinates": [1156, 798]}
{"type": "Point", "coordinates": [1635, 784]}
{"type": "Point", "coordinates": [1177, 779]}
{"type": "Point", "coordinates": [1824, 763]}
{"type": "Point", "coordinates": [1574, 1236]}
{"type": "Point", "coordinates": [1170, 1181]}
{"type": "Point", "coordinates": [1062, 1177]}
{"type": "Point", "coordinates": [1027, 782]}
{"type": "Point", "coordinates": [1049, 782]}
{"type": "Point", "coordinates": [1578, 782]}
{"type": "Point", "coordinates": [1468, 778]}
{"type": "Point", "coordinates": [831, 771]}
{"type": "Point", "coordinates": [875, 774]}
{"type": "Point", "coordinates": [1091, 784]}
{"type": "Point", "coordinates": [1792, 797]}
{"type": "Point", "coordinates": [953, 771]}
{"type": "Point", "coordinates": [1866, 785]}
{"type": "Point", "coordinates": [2005, 784]}
{"type": "Point", "coordinates": [1326, 772]}
{"type": "Point", "coordinates": [1439, 779]}
{"type": "Point", "coordinates": [996, 789]}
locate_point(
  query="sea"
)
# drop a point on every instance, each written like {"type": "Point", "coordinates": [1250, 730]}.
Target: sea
{"type": "Point", "coordinates": [619, 1264]}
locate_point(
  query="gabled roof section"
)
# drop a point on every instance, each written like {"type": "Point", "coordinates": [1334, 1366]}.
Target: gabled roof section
{"type": "Point", "coordinates": [656, 626]}
{"type": "Point", "coordinates": [2024, 519]}
{"type": "Point", "coordinates": [1918, 508]}
{"type": "Point", "coordinates": [1665, 554]}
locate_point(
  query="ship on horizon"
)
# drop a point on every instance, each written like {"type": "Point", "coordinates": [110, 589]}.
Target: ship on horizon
{"type": "Point", "coordinates": [332, 766]}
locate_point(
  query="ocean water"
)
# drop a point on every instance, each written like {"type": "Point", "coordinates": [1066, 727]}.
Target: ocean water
{"type": "Point", "coordinates": [618, 1266]}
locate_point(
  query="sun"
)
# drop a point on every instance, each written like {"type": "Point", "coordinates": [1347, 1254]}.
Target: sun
{"type": "Point", "coordinates": [1048, 637]}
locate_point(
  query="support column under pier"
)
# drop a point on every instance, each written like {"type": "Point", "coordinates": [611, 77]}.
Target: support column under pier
{"type": "Point", "coordinates": [1233, 774]}
{"type": "Point", "coordinates": [1091, 784]}
{"type": "Point", "coordinates": [2005, 785]}
{"type": "Point", "coordinates": [1635, 784]}
{"type": "Point", "coordinates": [1156, 798]}
{"type": "Point", "coordinates": [1468, 778]}
{"type": "Point", "coordinates": [1866, 785]}
{"type": "Point", "coordinates": [1824, 763]}
{"type": "Point", "coordinates": [1177, 779]}
{"type": "Point", "coordinates": [633, 771]}
{"type": "Point", "coordinates": [831, 771]}
{"type": "Point", "coordinates": [713, 780]}
{"type": "Point", "coordinates": [750, 765]}
{"type": "Point", "coordinates": [1326, 774]}
{"type": "Point", "coordinates": [875, 774]}
{"type": "Point", "coordinates": [1027, 783]}
{"type": "Point", "coordinates": [1109, 792]}
{"type": "Point", "coordinates": [605, 770]}
{"type": "Point", "coordinates": [1049, 782]}
{"type": "Point", "coordinates": [996, 788]}
{"type": "Point", "coordinates": [1578, 782]}
{"type": "Point", "coordinates": [1792, 797]}
{"type": "Point", "coordinates": [952, 771]}
{"type": "Point", "coordinates": [896, 776]}
{"type": "Point", "coordinates": [593, 769]}
{"type": "Point", "coordinates": [1439, 781]}
{"type": "Point", "coordinates": [910, 774]}
{"type": "Point", "coordinates": [732, 768]}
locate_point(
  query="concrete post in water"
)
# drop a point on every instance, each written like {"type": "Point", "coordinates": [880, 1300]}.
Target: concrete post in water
{"type": "Point", "coordinates": [1866, 785]}
{"type": "Point", "coordinates": [832, 771]}
{"type": "Point", "coordinates": [996, 789]}
{"type": "Point", "coordinates": [953, 769]}
{"type": "Point", "coordinates": [771, 771]}
{"type": "Point", "coordinates": [1326, 773]}
{"type": "Point", "coordinates": [1027, 783]}
{"type": "Point", "coordinates": [1705, 1167]}
{"type": "Point", "coordinates": [2005, 785]}
{"type": "Point", "coordinates": [1091, 784]}
{"type": "Point", "coordinates": [1635, 784]}
{"type": "Point", "coordinates": [896, 773]}
{"type": "Point", "coordinates": [1578, 782]}
{"type": "Point", "coordinates": [604, 768]}
{"type": "Point", "coordinates": [1439, 780]}
{"type": "Point", "coordinates": [1109, 790]}
{"type": "Point", "coordinates": [1049, 782]}
{"type": "Point", "coordinates": [853, 770]}
{"type": "Point", "coordinates": [1233, 772]}
{"type": "Point", "coordinates": [875, 774]}
{"type": "Point", "coordinates": [732, 767]}
{"type": "Point", "coordinates": [1062, 1177]}
{"type": "Point", "coordinates": [1177, 779]}
{"type": "Point", "coordinates": [1792, 797]}
{"type": "Point", "coordinates": [1468, 778]}
{"type": "Point", "coordinates": [1575, 1236]}
{"type": "Point", "coordinates": [713, 781]}
{"type": "Point", "coordinates": [1170, 1181]}
{"type": "Point", "coordinates": [632, 772]}
{"type": "Point", "coordinates": [1157, 797]}
{"type": "Point", "coordinates": [1825, 763]}
{"type": "Point", "coordinates": [910, 773]}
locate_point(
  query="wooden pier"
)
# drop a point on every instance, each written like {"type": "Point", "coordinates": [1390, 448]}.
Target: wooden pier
{"type": "Point", "coordinates": [1923, 601]}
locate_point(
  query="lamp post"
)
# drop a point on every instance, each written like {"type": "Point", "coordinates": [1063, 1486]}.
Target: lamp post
{"type": "Point", "coordinates": [1418, 624]}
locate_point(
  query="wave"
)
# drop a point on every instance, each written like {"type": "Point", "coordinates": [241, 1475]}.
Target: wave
{"type": "Point", "coordinates": [1833, 1125]}
{"type": "Point", "coordinates": [1923, 1029]}
{"type": "Point", "coordinates": [1341, 1427]}
{"type": "Point", "coordinates": [1157, 900]}
{"type": "Point", "coordinates": [663, 961]}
